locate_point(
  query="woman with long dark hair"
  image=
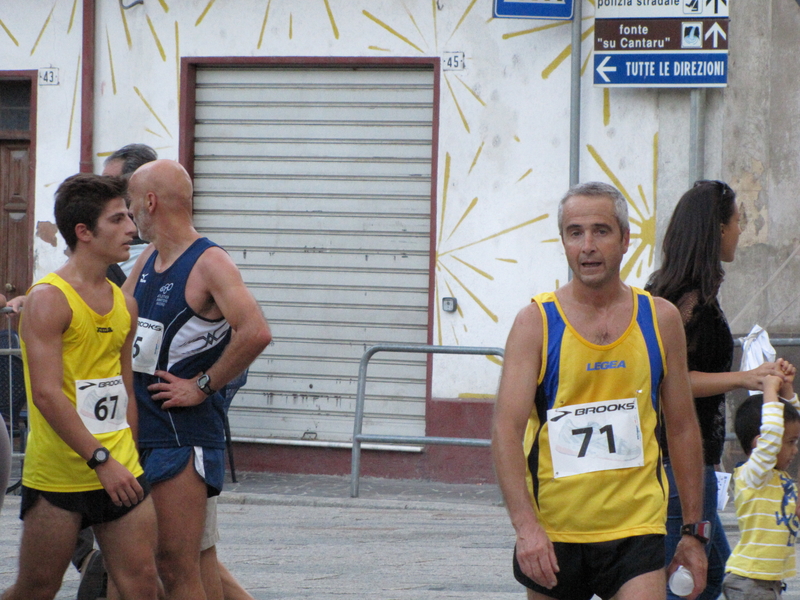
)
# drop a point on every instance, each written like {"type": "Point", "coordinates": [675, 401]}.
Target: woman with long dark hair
{"type": "Point", "coordinates": [702, 234]}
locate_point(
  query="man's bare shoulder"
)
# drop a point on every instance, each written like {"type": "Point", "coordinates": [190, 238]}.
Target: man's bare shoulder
{"type": "Point", "coordinates": [215, 266]}
{"type": "Point", "coordinates": [523, 357]}
{"type": "Point", "coordinates": [529, 315]}
{"type": "Point", "coordinates": [216, 255]}
{"type": "Point", "coordinates": [215, 287]}
{"type": "Point", "coordinates": [667, 313]}
{"type": "Point", "coordinates": [528, 327]}
{"type": "Point", "coordinates": [43, 294]}
{"type": "Point", "coordinates": [47, 306]}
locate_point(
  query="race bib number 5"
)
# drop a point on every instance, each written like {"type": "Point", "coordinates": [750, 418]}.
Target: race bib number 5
{"type": "Point", "coordinates": [102, 404]}
{"type": "Point", "coordinates": [597, 436]}
{"type": "Point", "coordinates": [147, 345]}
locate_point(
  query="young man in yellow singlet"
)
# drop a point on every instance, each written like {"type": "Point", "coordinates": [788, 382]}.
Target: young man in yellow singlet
{"type": "Point", "coordinates": [82, 468]}
{"type": "Point", "coordinates": [588, 370]}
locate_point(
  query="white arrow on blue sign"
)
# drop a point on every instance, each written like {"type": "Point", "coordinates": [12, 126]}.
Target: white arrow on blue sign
{"type": "Point", "coordinates": [533, 9]}
{"type": "Point", "coordinates": [661, 69]}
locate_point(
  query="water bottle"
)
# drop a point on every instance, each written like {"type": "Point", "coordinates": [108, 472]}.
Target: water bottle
{"type": "Point", "coordinates": [681, 583]}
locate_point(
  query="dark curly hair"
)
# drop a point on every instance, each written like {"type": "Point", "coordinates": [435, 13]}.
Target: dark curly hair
{"type": "Point", "coordinates": [81, 199]}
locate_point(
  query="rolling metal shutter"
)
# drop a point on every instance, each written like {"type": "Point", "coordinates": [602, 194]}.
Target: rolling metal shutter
{"type": "Point", "coordinates": [318, 183]}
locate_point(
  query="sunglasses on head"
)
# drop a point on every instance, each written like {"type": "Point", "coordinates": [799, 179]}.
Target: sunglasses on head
{"type": "Point", "coordinates": [724, 188]}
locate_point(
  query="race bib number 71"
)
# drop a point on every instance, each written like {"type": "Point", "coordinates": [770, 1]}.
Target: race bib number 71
{"type": "Point", "coordinates": [596, 436]}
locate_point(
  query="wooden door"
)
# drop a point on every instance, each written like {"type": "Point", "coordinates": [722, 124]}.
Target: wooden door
{"type": "Point", "coordinates": [15, 215]}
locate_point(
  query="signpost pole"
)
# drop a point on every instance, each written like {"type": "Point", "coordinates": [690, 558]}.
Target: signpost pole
{"type": "Point", "coordinates": [575, 96]}
{"type": "Point", "coordinates": [697, 135]}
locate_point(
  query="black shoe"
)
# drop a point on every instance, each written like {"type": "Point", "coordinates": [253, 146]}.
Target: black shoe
{"type": "Point", "coordinates": [94, 579]}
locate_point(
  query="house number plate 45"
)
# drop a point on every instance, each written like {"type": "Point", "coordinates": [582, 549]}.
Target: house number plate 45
{"type": "Point", "coordinates": [453, 61]}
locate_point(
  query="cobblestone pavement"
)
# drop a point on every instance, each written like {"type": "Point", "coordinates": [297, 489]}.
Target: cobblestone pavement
{"type": "Point", "coordinates": [297, 536]}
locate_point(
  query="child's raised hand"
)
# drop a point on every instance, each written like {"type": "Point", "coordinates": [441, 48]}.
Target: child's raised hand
{"type": "Point", "coordinates": [788, 369]}
{"type": "Point", "coordinates": [772, 386]}
{"type": "Point", "coordinates": [789, 372]}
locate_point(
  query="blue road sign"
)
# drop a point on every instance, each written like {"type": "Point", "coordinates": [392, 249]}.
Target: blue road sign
{"type": "Point", "coordinates": [533, 9]}
{"type": "Point", "coordinates": [661, 69]}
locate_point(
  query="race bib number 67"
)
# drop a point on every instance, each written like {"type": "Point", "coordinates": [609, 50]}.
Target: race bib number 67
{"type": "Point", "coordinates": [102, 404]}
{"type": "Point", "coordinates": [596, 436]}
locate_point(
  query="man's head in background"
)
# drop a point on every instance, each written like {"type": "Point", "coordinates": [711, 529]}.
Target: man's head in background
{"type": "Point", "coordinates": [127, 159]}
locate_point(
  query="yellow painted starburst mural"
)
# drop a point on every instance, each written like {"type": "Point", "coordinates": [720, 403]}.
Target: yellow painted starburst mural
{"type": "Point", "coordinates": [411, 35]}
{"type": "Point", "coordinates": [642, 214]}
{"type": "Point", "coordinates": [566, 52]}
{"type": "Point", "coordinates": [448, 254]}
{"type": "Point", "coordinates": [290, 25]}
{"type": "Point", "coordinates": [421, 34]}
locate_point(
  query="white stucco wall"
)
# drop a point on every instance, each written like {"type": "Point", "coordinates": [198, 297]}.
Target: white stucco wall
{"type": "Point", "coordinates": [503, 130]}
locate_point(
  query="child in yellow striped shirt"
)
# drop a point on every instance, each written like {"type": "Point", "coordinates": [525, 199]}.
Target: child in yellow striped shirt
{"type": "Point", "coordinates": [768, 427]}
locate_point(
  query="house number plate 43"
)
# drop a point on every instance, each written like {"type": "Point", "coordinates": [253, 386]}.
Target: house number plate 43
{"type": "Point", "coordinates": [48, 76]}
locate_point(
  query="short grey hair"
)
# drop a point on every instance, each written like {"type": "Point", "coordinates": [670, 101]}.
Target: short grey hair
{"type": "Point", "coordinates": [132, 156]}
{"type": "Point", "coordinates": [595, 189]}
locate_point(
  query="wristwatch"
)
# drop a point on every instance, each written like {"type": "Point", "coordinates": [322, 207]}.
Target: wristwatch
{"type": "Point", "coordinates": [701, 530]}
{"type": "Point", "coordinates": [203, 384]}
{"type": "Point", "coordinates": [99, 457]}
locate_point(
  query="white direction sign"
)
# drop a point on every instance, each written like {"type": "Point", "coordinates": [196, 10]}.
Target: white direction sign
{"type": "Point", "coordinates": [661, 43]}
{"type": "Point", "coordinates": [661, 9]}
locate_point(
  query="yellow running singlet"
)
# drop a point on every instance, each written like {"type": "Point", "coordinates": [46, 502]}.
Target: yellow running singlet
{"type": "Point", "coordinates": [91, 362]}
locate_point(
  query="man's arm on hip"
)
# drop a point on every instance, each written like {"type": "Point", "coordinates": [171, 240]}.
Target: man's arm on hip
{"type": "Point", "coordinates": [215, 289]}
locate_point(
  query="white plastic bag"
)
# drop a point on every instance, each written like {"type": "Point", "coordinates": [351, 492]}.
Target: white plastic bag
{"type": "Point", "coordinates": [756, 350]}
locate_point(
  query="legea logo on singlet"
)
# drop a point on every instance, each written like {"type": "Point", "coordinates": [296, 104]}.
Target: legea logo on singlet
{"type": "Point", "coordinates": [602, 366]}
{"type": "Point", "coordinates": [163, 294]}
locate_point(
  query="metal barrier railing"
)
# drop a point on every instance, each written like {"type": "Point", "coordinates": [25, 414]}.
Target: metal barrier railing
{"type": "Point", "coordinates": [358, 437]}
{"type": "Point", "coordinates": [774, 342]}
{"type": "Point", "coordinates": [8, 354]}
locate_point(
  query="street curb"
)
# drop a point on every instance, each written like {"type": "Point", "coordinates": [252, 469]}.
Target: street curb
{"type": "Point", "coordinates": [255, 499]}
{"type": "Point", "coordinates": [357, 503]}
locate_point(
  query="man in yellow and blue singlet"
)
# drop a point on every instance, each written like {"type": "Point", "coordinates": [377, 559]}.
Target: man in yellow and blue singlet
{"type": "Point", "coordinates": [588, 372]}
{"type": "Point", "coordinates": [82, 468]}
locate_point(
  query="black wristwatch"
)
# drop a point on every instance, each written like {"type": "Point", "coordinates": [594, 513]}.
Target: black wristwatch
{"type": "Point", "coordinates": [203, 384]}
{"type": "Point", "coordinates": [99, 457]}
{"type": "Point", "coordinates": [701, 530]}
